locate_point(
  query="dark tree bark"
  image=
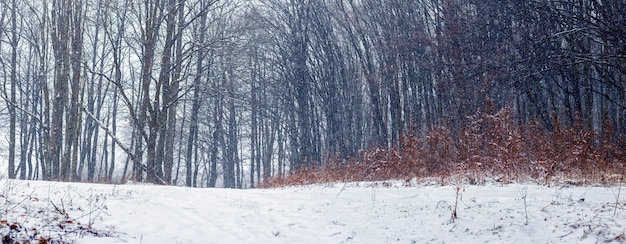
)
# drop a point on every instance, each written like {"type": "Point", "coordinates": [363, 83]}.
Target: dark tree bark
{"type": "Point", "coordinates": [61, 16]}
{"type": "Point", "coordinates": [13, 98]}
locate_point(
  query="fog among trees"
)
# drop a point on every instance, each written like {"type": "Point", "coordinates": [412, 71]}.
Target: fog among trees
{"type": "Point", "coordinates": [210, 93]}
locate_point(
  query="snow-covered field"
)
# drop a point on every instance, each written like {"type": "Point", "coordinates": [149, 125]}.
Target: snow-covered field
{"type": "Point", "coordinates": [333, 213]}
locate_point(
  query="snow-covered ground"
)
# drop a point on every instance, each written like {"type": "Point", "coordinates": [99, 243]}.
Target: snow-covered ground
{"type": "Point", "coordinates": [333, 213]}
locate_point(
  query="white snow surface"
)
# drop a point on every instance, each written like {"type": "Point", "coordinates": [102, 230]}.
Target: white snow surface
{"type": "Point", "coordinates": [368, 212]}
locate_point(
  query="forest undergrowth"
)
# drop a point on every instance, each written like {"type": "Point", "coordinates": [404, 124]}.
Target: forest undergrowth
{"type": "Point", "coordinates": [491, 147]}
{"type": "Point", "coordinates": [61, 216]}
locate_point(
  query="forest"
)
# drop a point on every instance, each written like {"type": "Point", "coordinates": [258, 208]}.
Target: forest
{"type": "Point", "coordinates": [210, 93]}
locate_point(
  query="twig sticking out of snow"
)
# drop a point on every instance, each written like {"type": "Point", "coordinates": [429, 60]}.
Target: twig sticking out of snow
{"type": "Point", "coordinates": [619, 190]}
{"type": "Point", "coordinates": [456, 203]}
{"type": "Point", "coordinates": [524, 194]}
{"type": "Point", "coordinates": [342, 188]}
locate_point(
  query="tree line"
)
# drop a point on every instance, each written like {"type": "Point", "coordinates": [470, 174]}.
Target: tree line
{"type": "Point", "coordinates": [210, 93]}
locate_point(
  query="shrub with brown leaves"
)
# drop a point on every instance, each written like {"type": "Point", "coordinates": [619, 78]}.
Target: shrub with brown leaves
{"type": "Point", "coordinates": [492, 146]}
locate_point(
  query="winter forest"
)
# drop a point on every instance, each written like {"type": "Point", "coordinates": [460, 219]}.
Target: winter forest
{"type": "Point", "coordinates": [237, 94]}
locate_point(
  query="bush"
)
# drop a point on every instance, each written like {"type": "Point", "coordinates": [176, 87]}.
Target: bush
{"type": "Point", "coordinates": [491, 147]}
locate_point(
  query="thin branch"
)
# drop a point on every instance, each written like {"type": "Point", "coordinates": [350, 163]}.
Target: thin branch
{"type": "Point", "coordinates": [126, 100]}
{"type": "Point", "coordinates": [106, 129]}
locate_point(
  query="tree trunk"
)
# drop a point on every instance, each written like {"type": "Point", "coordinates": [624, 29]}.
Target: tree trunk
{"type": "Point", "coordinates": [196, 102]}
{"type": "Point", "coordinates": [12, 112]}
